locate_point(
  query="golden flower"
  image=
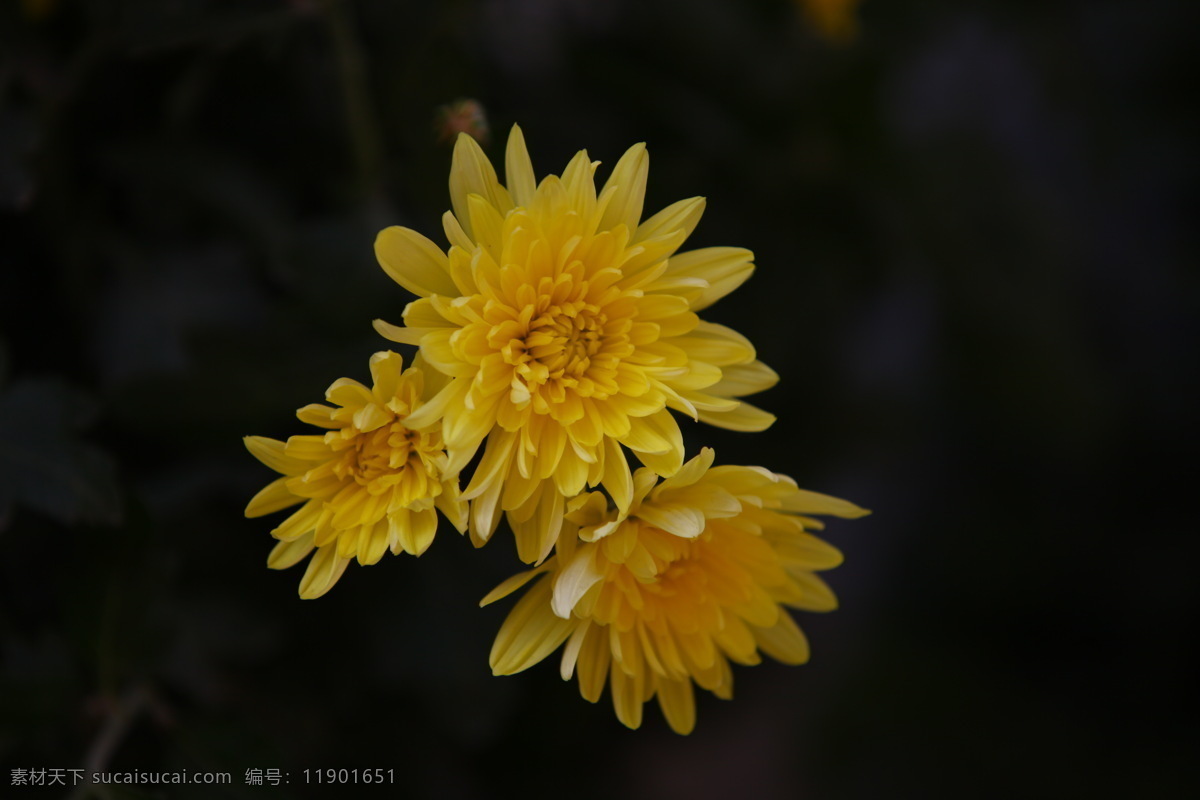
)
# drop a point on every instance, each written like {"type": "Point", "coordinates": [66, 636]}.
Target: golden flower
{"type": "Point", "coordinates": [369, 484]}
{"type": "Point", "coordinates": [568, 328]}
{"type": "Point", "coordinates": [694, 576]}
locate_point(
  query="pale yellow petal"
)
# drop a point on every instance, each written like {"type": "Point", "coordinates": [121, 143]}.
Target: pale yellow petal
{"type": "Point", "coordinates": [722, 268]}
{"type": "Point", "coordinates": [455, 234]}
{"type": "Point", "coordinates": [386, 369]}
{"type": "Point", "coordinates": [435, 407]}
{"type": "Point", "coordinates": [317, 414]}
{"type": "Point", "coordinates": [617, 479]}
{"type": "Point", "coordinates": [739, 380]}
{"type": "Point", "coordinates": [815, 593]}
{"type": "Point", "coordinates": [452, 505]}
{"type": "Point", "coordinates": [784, 641]}
{"type": "Point", "coordinates": [300, 522]}
{"type": "Point", "coordinates": [807, 552]}
{"type": "Point", "coordinates": [323, 572]}
{"type": "Point", "coordinates": [678, 704]}
{"type": "Point", "coordinates": [273, 497]}
{"type": "Point", "coordinates": [745, 417]}
{"type": "Point", "coordinates": [593, 662]}
{"type": "Point", "coordinates": [518, 169]}
{"type": "Point", "coordinates": [627, 696]}
{"type": "Point", "coordinates": [628, 185]}
{"type": "Point", "coordinates": [512, 584]}
{"type": "Point", "coordinates": [806, 502]}
{"type": "Point", "coordinates": [681, 216]}
{"type": "Point", "coordinates": [414, 262]}
{"type": "Point", "coordinates": [271, 452]}
{"type": "Point", "coordinates": [530, 633]}
{"type": "Point", "coordinates": [472, 173]}
{"type": "Point", "coordinates": [396, 333]}
{"type": "Point", "coordinates": [571, 651]}
{"type": "Point", "coordinates": [716, 344]}
{"type": "Point", "coordinates": [287, 554]}
{"type": "Point", "coordinates": [574, 580]}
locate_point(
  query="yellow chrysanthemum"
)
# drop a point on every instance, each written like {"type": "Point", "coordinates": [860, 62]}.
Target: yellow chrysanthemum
{"type": "Point", "coordinates": [369, 484]}
{"type": "Point", "coordinates": [694, 576]}
{"type": "Point", "coordinates": [568, 328]}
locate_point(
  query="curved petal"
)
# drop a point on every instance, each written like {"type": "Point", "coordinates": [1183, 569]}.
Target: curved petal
{"type": "Point", "coordinates": [627, 185]}
{"type": "Point", "coordinates": [472, 173]}
{"type": "Point", "coordinates": [518, 169]}
{"type": "Point", "coordinates": [414, 262]}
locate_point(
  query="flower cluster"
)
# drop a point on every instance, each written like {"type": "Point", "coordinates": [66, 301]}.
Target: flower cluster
{"type": "Point", "coordinates": [558, 335]}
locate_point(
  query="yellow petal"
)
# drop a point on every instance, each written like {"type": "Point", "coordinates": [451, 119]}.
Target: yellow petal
{"type": "Point", "coordinates": [722, 268]}
{"type": "Point", "coordinates": [396, 333]}
{"type": "Point", "coordinates": [435, 407]}
{"type": "Point", "coordinates": [386, 369]}
{"type": "Point", "coordinates": [805, 502]}
{"type": "Point", "coordinates": [286, 554]}
{"type": "Point", "coordinates": [581, 189]}
{"type": "Point", "coordinates": [518, 169]}
{"type": "Point", "coordinates": [592, 664]}
{"type": "Point", "coordinates": [299, 523]}
{"type": "Point", "coordinates": [452, 505]}
{"type": "Point", "coordinates": [681, 216]}
{"type": "Point", "coordinates": [323, 572]}
{"type": "Point", "coordinates": [571, 652]}
{"type": "Point", "coordinates": [273, 497]}
{"type": "Point", "coordinates": [716, 344]}
{"type": "Point", "coordinates": [617, 479]}
{"type": "Point", "coordinates": [414, 262]}
{"type": "Point", "coordinates": [807, 552]}
{"type": "Point", "coordinates": [487, 224]}
{"type": "Point", "coordinates": [485, 513]}
{"type": "Point", "coordinates": [530, 633]}
{"type": "Point", "coordinates": [678, 704]}
{"type": "Point", "coordinates": [271, 452]}
{"type": "Point", "coordinates": [417, 531]}
{"type": "Point", "coordinates": [628, 189]}
{"type": "Point", "coordinates": [455, 234]}
{"type": "Point", "coordinates": [689, 473]}
{"type": "Point", "coordinates": [347, 393]}
{"type": "Point", "coordinates": [664, 462]}
{"type": "Point", "coordinates": [745, 417]}
{"type": "Point", "coordinates": [784, 641]}
{"type": "Point", "coordinates": [574, 580]}
{"type": "Point", "coordinates": [739, 380]}
{"type": "Point", "coordinates": [512, 584]}
{"type": "Point", "coordinates": [472, 173]}
{"type": "Point", "coordinates": [815, 593]}
{"type": "Point", "coordinates": [317, 414]}
{"type": "Point", "coordinates": [627, 696]}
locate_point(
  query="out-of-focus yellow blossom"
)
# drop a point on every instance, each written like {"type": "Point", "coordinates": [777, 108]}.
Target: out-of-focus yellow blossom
{"type": "Point", "coordinates": [38, 9]}
{"type": "Point", "coordinates": [369, 484]}
{"type": "Point", "coordinates": [836, 20]}
{"type": "Point", "coordinates": [568, 327]}
{"type": "Point", "coordinates": [694, 575]}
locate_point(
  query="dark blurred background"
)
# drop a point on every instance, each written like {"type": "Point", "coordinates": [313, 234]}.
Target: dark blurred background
{"type": "Point", "coordinates": [976, 278]}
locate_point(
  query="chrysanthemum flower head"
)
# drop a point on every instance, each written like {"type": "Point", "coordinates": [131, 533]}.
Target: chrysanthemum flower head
{"type": "Point", "coordinates": [370, 483]}
{"type": "Point", "coordinates": [568, 328]}
{"type": "Point", "coordinates": [696, 574]}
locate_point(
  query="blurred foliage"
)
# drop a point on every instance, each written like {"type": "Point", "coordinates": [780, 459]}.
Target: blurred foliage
{"type": "Point", "coordinates": [976, 277]}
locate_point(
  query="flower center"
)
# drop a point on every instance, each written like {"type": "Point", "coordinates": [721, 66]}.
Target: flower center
{"type": "Point", "coordinates": [562, 335]}
{"type": "Point", "coordinates": [383, 455]}
{"type": "Point", "coordinates": [559, 346]}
